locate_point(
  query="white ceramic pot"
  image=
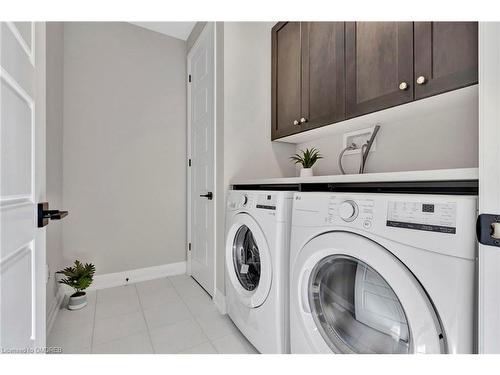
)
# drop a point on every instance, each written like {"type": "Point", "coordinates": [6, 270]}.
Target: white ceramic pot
{"type": "Point", "coordinates": [77, 301]}
{"type": "Point", "coordinates": [306, 172]}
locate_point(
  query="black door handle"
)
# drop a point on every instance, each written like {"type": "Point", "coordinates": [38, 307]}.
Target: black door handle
{"type": "Point", "coordinates": [208, 195]}
{"type": "Point", "coordinates": [44, 214]}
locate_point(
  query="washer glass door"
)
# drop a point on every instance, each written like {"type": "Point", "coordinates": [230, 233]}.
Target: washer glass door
{"type": "Point", "coordinates": [355, 309]}
{"type": "Point", "coordinates": [246, 258]}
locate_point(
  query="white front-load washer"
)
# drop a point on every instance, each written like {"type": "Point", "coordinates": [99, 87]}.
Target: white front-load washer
{"type": "Point", "coordinates": [382, 273]}
{"type": "Point", "coordinates": [257, 264]}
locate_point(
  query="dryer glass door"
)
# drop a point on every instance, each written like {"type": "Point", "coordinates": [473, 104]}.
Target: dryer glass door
{"type": "Point", "coordinates": [246, 258]}
{"type": "Point", "coordinates": [248, 261]}
{"type": "Point", "coordinates": [355, 309]}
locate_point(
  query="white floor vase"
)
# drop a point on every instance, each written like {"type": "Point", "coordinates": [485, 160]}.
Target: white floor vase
{"type": "Point", "coordinates": [77, 302]}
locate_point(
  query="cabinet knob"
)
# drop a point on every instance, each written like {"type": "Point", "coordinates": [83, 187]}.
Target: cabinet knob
{"type": "Point", "coordinates": [295, 122]}
{"type": "Point", "coordinates": [303, 120]}
{"type": "Point", "coordinates": [421, 80]}
{"type": "Point", "coordinates": [403, 86]}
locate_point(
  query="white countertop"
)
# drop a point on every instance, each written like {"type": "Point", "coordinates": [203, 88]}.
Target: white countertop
{"type": "Point", "coordinates": [431, 175]}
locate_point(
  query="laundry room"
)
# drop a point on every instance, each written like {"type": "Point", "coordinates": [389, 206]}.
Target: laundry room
{"type": "Point", "coordinates": [240, 186]}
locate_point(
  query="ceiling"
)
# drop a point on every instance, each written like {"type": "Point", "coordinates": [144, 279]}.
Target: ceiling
{"type": "Point", "coordinates": [179, 30]}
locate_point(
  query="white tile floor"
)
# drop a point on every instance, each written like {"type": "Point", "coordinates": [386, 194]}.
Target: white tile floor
{"type": "Point", "coordinates": [168, 315]}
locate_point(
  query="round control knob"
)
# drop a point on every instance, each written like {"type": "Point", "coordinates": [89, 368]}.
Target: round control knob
{"type": "Point", "coordinates": [244, 200]}
{"type": "Point", "coordinates": [348, 210]}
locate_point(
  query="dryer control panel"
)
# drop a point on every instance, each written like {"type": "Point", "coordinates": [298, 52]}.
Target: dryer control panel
{"type": "Point", "coordinates": [237, 201]}
{"type": "Point", "coordinates": [249, 200]}
{"type": "Point", "coordinates": [276, 205]}
{"type": "Point", "coordinates": [266, 201]}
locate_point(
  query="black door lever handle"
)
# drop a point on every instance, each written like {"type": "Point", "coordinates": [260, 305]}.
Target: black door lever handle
{"type": "Point", "coordinates": [55, 214]}
{"type": "Point", "coordinates": [44, 214]}
{"type": "Point", "coordinates": [208, 195]}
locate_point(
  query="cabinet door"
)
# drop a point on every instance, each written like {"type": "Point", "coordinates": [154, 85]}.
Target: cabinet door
{"type": "Point", "coordinates": [445, 56]}
{"type": "Point", "coordinates": [323, 74]}
{"type": "Point", "coordinates": [286, 71]}
{"type": "Point", "coordinates": [379, 58]}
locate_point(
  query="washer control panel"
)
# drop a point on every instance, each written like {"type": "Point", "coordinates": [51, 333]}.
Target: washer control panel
{"type": "Point", "coordinates": [351, 210]}
{"type": "Point", "coordinates": [426, 216]}
{"type": "Point", "coordinates": [348, 210]}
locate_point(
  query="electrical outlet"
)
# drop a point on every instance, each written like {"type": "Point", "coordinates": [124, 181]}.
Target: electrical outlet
{"type": "Point", "coordinates": [359, 138]}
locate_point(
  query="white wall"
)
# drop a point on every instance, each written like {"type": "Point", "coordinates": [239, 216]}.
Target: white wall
{"type": "Point", "coordinates": [54, 150]}
{"type": "Point", "coordinates": [445, 136]}
{"type": "Point", "coordinates": [124, 168]}
{"type": "Point", "coordinates": [248, 150]}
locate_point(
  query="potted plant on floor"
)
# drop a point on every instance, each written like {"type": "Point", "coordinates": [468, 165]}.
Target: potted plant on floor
{"type": "Point", "coordinates": [307, 158]}
{"type": "Point", "coordinates": [79, 277]}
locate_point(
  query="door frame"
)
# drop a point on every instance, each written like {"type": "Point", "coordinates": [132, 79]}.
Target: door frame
{"type": "Point", "coordinates": [209, 28]}
{"type": "Point", "coordinates": [489, 184]}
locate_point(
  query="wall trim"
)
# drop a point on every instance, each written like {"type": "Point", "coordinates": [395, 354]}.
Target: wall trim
{"type": "Point", "coordinates": [55, 307]}
{"type": "Point", "coordinates": [220, 301]}
{"type": "Point", "coordinates": [110, 280]}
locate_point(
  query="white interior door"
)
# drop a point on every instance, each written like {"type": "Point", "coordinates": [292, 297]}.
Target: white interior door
{"type": "Point", "coordinates": [22, 185]}
{"type": "Point", "coordinates": [489, 183]}
{"type": "Point", "coordinates": [201, 125]}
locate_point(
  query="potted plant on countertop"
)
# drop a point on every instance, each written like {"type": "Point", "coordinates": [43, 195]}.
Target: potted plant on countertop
{"type": "Point", "coordinates": [79, 277]}
{"type": "Point", "coordinates": [307, 158]}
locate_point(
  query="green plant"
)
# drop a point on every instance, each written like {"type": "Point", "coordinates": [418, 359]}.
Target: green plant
{"type": "Point", "coordinates": [308, 158]}
{"type": "Point", "coordinates": [78, 277]}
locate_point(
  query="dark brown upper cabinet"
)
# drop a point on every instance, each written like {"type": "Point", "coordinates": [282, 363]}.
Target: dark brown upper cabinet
{"type": "Point", "coordinates": [323, 74]}
{"type": "Point", "coordinates": [446, 57]}
{"type": "Point", "coordinates": [379, 63]}
{"type": "Point", "coordinates": [308, 69]}
{"type": "Point", "coordinates": [326, 72]}
{"type": "Point", "coordinates": [286, 82]}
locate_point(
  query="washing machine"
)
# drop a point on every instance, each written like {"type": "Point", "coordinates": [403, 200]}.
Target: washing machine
{"type": "Point", "coordinates": [257, 261]}
{"type": "Point", "coordinates": [382, 273]}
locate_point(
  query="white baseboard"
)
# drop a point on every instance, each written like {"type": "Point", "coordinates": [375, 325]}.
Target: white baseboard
{"type": "Point", "coordinates": [220, 301]}
{"type": "Point", "coordinates": [54, 308]}
{"type": "Point", "coordinates": [110, 280]}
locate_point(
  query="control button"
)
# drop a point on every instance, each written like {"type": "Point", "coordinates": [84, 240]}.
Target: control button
{"type": "Point", "coordinates": [348, 210]}
{"type": "Point", "coordinates": [367, 224]}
